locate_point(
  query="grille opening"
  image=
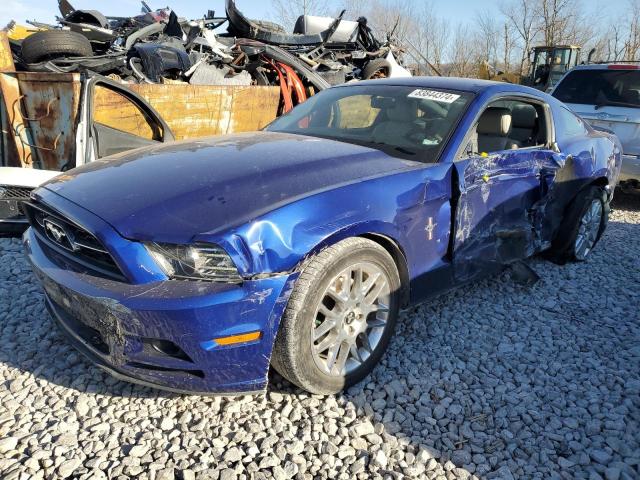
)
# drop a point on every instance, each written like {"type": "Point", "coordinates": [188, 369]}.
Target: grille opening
{"type": "Point", "coordinates": [179, 371]}
{"type": "Point", "coordinates": [75, 243]}
{"type": "Point", "coordinates": [10, 198]}
{"type": "Point", "coordinates": [9, 192]}
{"type": "Point", "coordinates": [163, 348]}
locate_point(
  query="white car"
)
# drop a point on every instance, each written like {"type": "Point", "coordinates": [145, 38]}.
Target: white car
{"type": "Point", "coordinates": [608, 97]}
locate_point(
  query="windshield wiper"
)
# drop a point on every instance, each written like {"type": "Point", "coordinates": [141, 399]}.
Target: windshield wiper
{"type": "Point", "coordinates": [397, 148]}
{"type": "Point", "coordinates": [404, 150]}
{"type": "Point", "coordinates": [613, 103]}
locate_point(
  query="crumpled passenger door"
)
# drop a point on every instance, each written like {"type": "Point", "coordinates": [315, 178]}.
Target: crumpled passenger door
{"type": "Point", "coordinates": [499, 209]}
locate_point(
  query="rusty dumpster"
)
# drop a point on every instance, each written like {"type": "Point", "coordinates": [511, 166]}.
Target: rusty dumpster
{"type": "Point", "coordinates": [40, 117]}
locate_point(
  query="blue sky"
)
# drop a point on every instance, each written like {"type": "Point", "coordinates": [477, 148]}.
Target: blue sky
{"type": "Point", "coordinates": [45, 10]}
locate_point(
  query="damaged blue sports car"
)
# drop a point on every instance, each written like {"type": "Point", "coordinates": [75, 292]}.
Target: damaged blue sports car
{"type": "Point", "coordinates": [195, 266]}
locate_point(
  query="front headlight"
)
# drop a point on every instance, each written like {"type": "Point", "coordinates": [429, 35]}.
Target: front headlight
{"type": "Point", "coordinates": [194, 262]}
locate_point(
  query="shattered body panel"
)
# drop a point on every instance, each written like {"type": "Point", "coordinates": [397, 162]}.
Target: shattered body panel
{"type": "Point", "coordinates": [271, 200]}
{"type": "Point", "coordinates": [511, 203]}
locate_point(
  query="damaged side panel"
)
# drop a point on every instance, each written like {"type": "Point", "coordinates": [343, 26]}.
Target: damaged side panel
{"type": "Point", "coordinates": [509, 205]}
{"type": "Point", "coordinates": [499, 196]}
{"type": "Point", "coordinates": [412, 209]}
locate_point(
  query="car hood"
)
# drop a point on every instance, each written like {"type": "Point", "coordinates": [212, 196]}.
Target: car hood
{"type": "Point", "coordinates": [175, 191]}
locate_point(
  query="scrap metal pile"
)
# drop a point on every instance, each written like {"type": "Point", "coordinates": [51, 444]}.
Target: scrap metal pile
{"type": "Point", "coordinates": [159, 47]}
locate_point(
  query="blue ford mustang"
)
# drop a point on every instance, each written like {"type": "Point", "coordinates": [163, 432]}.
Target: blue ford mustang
{"type": "Point", "coordinates": [194, 266]}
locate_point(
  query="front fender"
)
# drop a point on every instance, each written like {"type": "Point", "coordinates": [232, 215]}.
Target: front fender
{"type": "Point", "coordinates": [396, 206]}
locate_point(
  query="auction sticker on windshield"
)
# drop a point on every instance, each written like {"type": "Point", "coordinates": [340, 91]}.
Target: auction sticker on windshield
{"type": "Point", "coordinates": [434, 95]}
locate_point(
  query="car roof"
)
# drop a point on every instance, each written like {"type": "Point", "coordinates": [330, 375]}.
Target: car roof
{"type": "Point", "coordinates": [607, 66]}
{"type": "Point", "coordinates": [471, 85]}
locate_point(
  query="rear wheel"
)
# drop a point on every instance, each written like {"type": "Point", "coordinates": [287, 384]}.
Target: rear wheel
{"type": "Point", "coordinates": [340, 317]}
{"type": "Point", "coordinates": [582, 226]}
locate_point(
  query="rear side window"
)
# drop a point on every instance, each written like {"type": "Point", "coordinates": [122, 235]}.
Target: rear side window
{"type": "Point", "coordinates": [618, 88]}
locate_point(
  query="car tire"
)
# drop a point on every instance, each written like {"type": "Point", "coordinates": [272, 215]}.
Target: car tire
{"type": "Point", "coordinates": [297, 355]}
{"type": "Point", "coordinates": [378, 68]}
{"type": "Point", "coordinates": [582, 226]}
{"type": "Point", "coordinates": [52, 44]}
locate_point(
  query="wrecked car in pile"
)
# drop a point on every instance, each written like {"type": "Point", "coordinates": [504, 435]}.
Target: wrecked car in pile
{"type": "Point", "coordinates": [158, 46]}
{"type": "Point", "coordinates": [297, 246]}
{"type": "Point", "coordinates": [93, 136]}
{"type": "Point", "coordinates": [339, 50]}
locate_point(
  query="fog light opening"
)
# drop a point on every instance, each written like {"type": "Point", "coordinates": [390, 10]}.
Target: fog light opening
{"type": "Point", "coordinates": [169, 348]}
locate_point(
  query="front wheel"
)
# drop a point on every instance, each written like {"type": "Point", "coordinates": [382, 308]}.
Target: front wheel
{"type": "Point", "coordinates": [340, 317]}
{"type": "Point", "coordinates": [582, 226]}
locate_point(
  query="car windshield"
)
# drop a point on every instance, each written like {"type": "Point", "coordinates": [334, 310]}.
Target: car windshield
{"type": "Point", "coordinates": [618, 88]}
{"type": "Point", "coordinates": [407, 122]}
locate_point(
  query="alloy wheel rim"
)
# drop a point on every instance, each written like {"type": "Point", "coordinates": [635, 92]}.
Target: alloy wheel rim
{"type": "Point", "coordinates": [350, 318]}
{"type": "Point", "coordinates": [588, 229]}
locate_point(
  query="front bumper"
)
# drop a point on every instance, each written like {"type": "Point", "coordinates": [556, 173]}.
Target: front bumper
{"type": "Point", "coordinates": [630, 171]}
{"type": "Point", "coordinates": [119, 325]}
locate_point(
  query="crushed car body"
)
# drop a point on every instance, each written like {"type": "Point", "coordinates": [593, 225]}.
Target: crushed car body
{"type": "Point", "coordinates": [296, 247]}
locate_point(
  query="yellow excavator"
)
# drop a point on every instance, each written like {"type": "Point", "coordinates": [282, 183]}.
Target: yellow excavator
{"type": "Point", "coordinates": [548, 65]}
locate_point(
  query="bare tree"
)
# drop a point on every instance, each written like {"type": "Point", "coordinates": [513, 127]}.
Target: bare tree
{"type": "Point", "coordinates": [440, 39]}
{"type": "Point", "coordinates": [611, 43]}
{"type": "Point", "coordinates": [428, 34]}
{"type": "Point", "coordinates": [463, 62]}
{"type": "Point", "coordinates": [566, 22]}
{"type": "Point", "coordinates": [412, 26]}
{"type": "Point", "coordinates": [618, 37]}
{"type": "Point", "coordinates": [385, 16]}
{"type": "Point", "coordinates": [632, 45]}
{"type": "Point", "coordinates": [288, 11]}
{"type": "Point", "coordinates": [488, 36]}
{"type": "Point", "coordinates": [509, 45]}
{"type": "Point", "coordinates": [521, 15]}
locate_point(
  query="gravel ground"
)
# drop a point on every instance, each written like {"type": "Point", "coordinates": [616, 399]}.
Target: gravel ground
{"type": "Point", "coordinates": [494, 381]}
